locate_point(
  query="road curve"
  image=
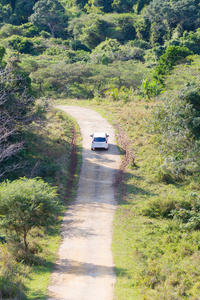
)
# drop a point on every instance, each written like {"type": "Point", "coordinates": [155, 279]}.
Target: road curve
{"type": "Point", "coordinates": [84, 270]}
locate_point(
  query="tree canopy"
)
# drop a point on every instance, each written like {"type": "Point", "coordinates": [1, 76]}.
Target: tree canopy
{"type": "Point", "coordinates": [25, 204]}
{"type": "Point", "coordinates": [49, 13]}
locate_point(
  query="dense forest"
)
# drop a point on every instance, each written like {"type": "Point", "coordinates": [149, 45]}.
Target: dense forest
{"type": "Point", "coordinates": [119, 51]}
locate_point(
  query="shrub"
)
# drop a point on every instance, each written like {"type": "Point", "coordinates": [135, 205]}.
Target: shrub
{"type": "Point", "coordinates": [26, 203]}
{"type": "Point", "coordinates": [170, 58]}
{"type": "Point", "coordinates": [177, 122]}
{"type": "Point", "coordinates": [183, 208]}
{"type": "Point", "coordinates": [151, 88]}
{"type": "Point", "coordinates": [9, 30]}
{"type": "Point", "coordinates": [188, 217]}
{"type": "Point", "coordinates": [45, 34]}
{"type": "Point", "coordinates": [159, 207]}
{"type": "Point", "coordinates": [21, 44]}
{"type": "Point", "coordinates": [191, 40]}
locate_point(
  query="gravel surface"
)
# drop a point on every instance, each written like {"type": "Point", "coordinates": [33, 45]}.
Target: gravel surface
{"type": "Point", "coordinates": [85, 270]}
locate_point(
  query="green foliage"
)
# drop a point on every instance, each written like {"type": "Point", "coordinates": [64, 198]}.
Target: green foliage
{"type": "Point", "coordinates": [181, 207]}
{"type": "Point", "coordinates": [69, 56]}
{"type": "Point", "coordinates": [77, 45]}
{"type": "Point", "coordinates": [109, 45]}
{"type": "Point", "coordinates": [122, 94]}
{"type": "Point", "coordinates": [191, 40]}
{"type": "Point", "coordinates": [95, 34]}
{"type": "Point", "coordinates": [22, 9]}
{"type": "Point", "coordinates": [99, 6]}
{"type": "Point", "coordinates": [165, 16]}
{"type": "Point", "coordinates": [21, 44]}
{"type": "Point", "coordinates": [11, 278]}
{"type": "Point", "coordinates": [5, 12]}
{"type": "Point", "coordinates": [49, 13]}
{"type": "Point", "coordinates": [9, 30]}
{"type": "Point", "coordinates": [162, 207]}
{"type": "Point", "coordinates": [121, 26]}
{"type": "Point", "coordinates": [177, 121]}
{"type": "Point", "coordinates": [28, 30]}
{"type": "Point", "coordinates": [92, 29]}
{"type": "Point", "coordinates": [151, 88]}
{"type": "Point", "coordinates": [2, 53]}
{"type": "Point", "coordinates": [121, 6]}
{"type": "Point", "coordinates": [172, 56]}
{"type": "Point", "coordinates": [25, 204]}
{"type": "Point", "coordinates": [191, 94]}
{"type": "Point", "coordinates": [188, 217]}
{"type": "Point", "coordinates": [141, 4]}
{"type": "Point", "coordinates": [111, 50]}
{"type": "Point", "coordinates": [142, 27]}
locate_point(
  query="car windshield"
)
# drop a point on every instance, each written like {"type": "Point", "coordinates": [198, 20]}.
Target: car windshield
{"type": "Point", "coordinates": [99, 139]}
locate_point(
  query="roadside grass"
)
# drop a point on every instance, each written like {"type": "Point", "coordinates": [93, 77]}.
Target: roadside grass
{"type": "Point", "coordinates": [155, 257]}
{"type": "Point", "coordinates": [48, 156]}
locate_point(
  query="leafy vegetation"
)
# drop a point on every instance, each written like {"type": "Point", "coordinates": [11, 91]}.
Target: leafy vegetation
{"type": "Point", "coordinates": [26, 204]}
{"type": "Point", "coordinates": [140, 59]}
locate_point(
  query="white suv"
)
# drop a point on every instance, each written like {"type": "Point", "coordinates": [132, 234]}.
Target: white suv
{"type": "Point", "coordinates": [99, 140]}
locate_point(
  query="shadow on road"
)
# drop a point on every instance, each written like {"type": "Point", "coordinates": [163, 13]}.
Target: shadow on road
{"type": "Point", "coordinates": [87, 269]}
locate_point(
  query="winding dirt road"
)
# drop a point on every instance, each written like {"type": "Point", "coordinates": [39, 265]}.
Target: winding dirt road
{"type": "Point", "coordinates": [84, 270]}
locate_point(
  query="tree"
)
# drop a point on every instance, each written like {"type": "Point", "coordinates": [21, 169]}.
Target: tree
{"type": "Point", "coordinates": [121, 6]}
{"type": "Point", "coordinates": [49, 13]}
{"type": "Point", "coordinates": [22, 10]}
{"type": "Point", "coordinates": [170, 58]}
{"type": "Point", "coordinates": [106, 5]}
{"type": "Point", "coordinates": [165, 16]}
{"type": "Point", "coordinates": [25, 204]}
{"type": "Point", "coordinates": [95, 33]}
{"type": "Point", "coordinates": [5, 12]}
{"type": "Point", "coordinates": [21, 44]}
{"type": "Point", "coordinates": [141, 4]}
{"type": "Point", "coordinates": [177, 124]}
{"type": "Point", "coordinates": [80, 3]}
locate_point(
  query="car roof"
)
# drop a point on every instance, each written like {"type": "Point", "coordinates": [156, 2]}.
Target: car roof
{"type": "Point", "coordinates": [99, 134]}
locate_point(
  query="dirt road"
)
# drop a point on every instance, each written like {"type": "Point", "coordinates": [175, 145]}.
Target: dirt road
{"type": "Point", "coordinates": [84, 270]}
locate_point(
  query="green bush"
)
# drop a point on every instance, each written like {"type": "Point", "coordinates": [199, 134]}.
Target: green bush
{"type": "Point", "coordinates": [25, 204]}
{"type": "Point", "coordinates": [170, 58]}
{"type": "Point", "coordinates": [176, 121]}
{"type": "Point", "coordinates": [9, 30]}
{"type": "Point", "coordinates": [158, 207]}
{"type": "Point", "coordinates": [188, 217]}
{"type": "Point", "coordinates": [163, 207]}
{"type": "Point", "coordinates": [151, 88]}
{"type": "Point", "coordinates": [191, 40]}
{"type": "Point", "coordinates": [45, 34]}
{"type": "Point", "coordinates": [185, 209]}
{"type": "Point", "coordinates": [29, 30]}
{"type": "Point", "coordinates": [21, 44]}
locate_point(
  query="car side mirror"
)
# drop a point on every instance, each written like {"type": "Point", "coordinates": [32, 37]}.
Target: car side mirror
{"type": "Point", "coordinates": [91, 135]}
{"type": "Point", "coordinates": [107, 135]}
